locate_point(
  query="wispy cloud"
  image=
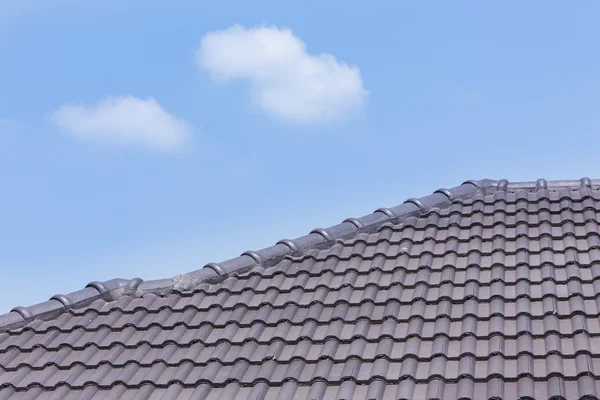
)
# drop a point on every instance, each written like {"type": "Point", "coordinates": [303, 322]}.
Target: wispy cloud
{"type": "Point", "coordinates": [286, 81]}
{"type": "Point", "coordinates": [125, 120]}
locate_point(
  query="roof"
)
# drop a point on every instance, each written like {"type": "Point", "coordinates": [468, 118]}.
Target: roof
{"type": "Point", "coordinates": [486, 290]}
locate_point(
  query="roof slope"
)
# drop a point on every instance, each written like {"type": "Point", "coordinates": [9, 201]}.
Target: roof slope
{"type": "Point", "coordinates": [487, 290]}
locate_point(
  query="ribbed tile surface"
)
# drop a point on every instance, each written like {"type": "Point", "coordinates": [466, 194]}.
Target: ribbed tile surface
{"type": "Point", "coordinates": [495, 297]}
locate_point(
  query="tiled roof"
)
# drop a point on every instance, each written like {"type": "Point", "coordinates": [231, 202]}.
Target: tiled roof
{"type": "Point", "coordinates": [486, 290]}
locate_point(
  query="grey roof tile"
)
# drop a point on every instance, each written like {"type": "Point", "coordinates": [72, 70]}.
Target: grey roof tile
{"type": "Point", "coordinates": [494, 295]}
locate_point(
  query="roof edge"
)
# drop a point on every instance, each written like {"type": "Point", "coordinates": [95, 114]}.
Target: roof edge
{"type": "Point", "coordinates": [585, 182]}
{"type": "Point", "coordinates": [57, 304]}
{"type": "Point", "coordinates": [318, 238]}
{"type": "Point", "coordinates": [324, 237]}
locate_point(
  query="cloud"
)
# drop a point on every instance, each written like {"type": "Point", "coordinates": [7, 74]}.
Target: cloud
{"type": "Point", "coordinates": [286, 81]}
{"type": "Point", "coordinates": [125, 120]}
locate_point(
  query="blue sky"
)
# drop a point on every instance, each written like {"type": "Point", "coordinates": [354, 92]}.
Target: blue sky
{"type": "Point", "coordinates": [148, 139]}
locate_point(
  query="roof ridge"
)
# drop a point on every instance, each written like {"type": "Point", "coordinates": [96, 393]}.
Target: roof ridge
{"type": "Point", "coordinates": [318, 238]}
{"type": "Point", "coordinates": [322, 237]}
{"type": "Point", "coordinates": [584, 182]}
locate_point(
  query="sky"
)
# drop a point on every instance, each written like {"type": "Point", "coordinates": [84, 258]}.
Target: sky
{"type": "Point", "coordinates": [146, 139]}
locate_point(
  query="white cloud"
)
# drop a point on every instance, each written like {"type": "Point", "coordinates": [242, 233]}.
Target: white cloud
{"type": "Point", "coordinates": [125, 120]}
{"type": "Point", "coordinates": [286, 81]}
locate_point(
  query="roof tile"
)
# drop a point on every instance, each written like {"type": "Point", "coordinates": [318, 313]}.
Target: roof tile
{"type": "Point", "coordinates": [493, 292]}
